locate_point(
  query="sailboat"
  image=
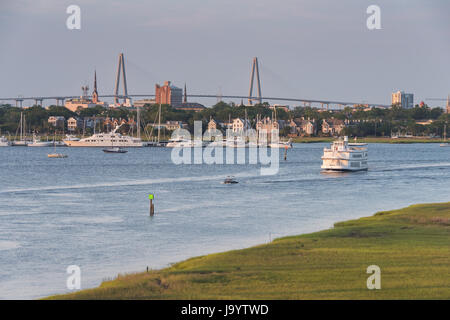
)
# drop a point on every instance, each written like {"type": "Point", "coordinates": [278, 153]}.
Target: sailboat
{"type": "Point", "coordinates": [22, 142]}
{"type": "Point", "coordinates": [158, 142]}
{"type": "Point", "coordinates": [54, 154]}
{"type": "Point", "coordinates": [445, 144]}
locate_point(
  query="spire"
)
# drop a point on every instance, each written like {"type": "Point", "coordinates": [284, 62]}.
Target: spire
{"type": "Point", "coordinates": [185, 94]}
{"type": "Point", "coordinates": [95, 80]}
{"type": "Point", "coordinates": [95, 93]}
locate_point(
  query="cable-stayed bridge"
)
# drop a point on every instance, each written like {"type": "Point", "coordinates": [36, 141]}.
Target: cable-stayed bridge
{"type": "Point", "coordinates": [324, 103]}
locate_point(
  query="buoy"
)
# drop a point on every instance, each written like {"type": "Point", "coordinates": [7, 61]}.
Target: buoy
{"type": "Point", "coordinates": [152, 208]}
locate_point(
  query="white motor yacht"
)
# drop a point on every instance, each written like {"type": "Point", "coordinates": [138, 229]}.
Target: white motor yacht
{"type": "Point", "coordinates": [38, 143]}
{"type": "Point", "coordinates": [110, 139]}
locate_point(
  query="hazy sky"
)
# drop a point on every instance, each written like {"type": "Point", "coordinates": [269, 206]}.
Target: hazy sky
{"type": "Point", "coordinates": [318, 49]}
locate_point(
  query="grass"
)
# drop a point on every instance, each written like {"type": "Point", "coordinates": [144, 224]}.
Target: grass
{"type": "Point", "coordinates": [410, 245]}
{"type": "Point", "coordinates": [368, 140]}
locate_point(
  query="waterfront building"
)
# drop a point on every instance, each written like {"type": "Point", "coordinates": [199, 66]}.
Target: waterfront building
{"type": "Point", "coordinates": [212, 125]}
{"type": "Point", "coordinates": [173, 125]}
{"type": "Point", "coordinates": [405, 100]}
{"type": "Point", "coordinates": [240, 125]}
{"type": "Point", "coordinates": [332, 126]}
{"type": "Point", "coordinates": [74, 123]}
{"type": "Point", "coordinates": [302, 127]}
{"type": "Point", "coordinates": [56, 121]}
{"type": "Point", "coordinates": [168, 94]}
{"type": "Point", "coordinates": [141, 103]}
{"type": "Point", "coordinates": [84, 102]}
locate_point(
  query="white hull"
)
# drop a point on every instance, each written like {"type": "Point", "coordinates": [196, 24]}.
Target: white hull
{"type": "Point", "coordinates": [4, 142]}
{"type": "Point", "coordinates": [103, 144]}
{"type": "Point", "coordinates": [19, 143]}
{"type": "Point", "coordinates": [41, 144]}
{"type": "Point", "coordinates": [107, 140]}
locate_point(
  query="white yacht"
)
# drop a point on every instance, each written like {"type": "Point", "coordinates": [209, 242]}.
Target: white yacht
{"type": "Point", "coordinates": [38, 143]}
{"type": "Point", "coordinates": [344, 156]}
{"type": "Point", "coordinates": [71, 137]}
{"type": "Point", "coordinates": [4, 142]}
{"type": "Point", "coordinates": [281, 144]}
{"type": "Point", "coordinates": [181, 143]}
{"type": "Point", "coordinates": [111, 139]}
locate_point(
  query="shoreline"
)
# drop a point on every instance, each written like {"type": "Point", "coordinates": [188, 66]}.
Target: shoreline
{"type": "Point", "coordinates": [369, 140]}
{"type": "Point", "coordinates": [328, 264]}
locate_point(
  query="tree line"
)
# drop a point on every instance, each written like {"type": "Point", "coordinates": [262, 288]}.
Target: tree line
{"type": "Point", "coordinates": [362, 122]}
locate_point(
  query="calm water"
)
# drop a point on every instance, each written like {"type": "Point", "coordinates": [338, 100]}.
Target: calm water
{"type": "Point", "coordinates": [91, 209]}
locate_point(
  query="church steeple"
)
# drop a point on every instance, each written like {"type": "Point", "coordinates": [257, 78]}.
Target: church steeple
{"type": "Point", "coordinates": [95, 93]}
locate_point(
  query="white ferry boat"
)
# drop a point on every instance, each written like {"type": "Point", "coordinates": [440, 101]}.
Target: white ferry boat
{"type": "Point", "coordinates": [344, 156]}
{"type": "Point", "coordinates": [111, 139]}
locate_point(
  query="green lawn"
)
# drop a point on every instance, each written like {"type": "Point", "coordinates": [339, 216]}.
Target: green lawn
{"type": "Point", "coordinates": [411, 246]}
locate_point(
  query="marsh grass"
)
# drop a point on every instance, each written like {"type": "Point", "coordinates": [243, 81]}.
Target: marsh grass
{"type": "Point", "coordinates": [410, 245]}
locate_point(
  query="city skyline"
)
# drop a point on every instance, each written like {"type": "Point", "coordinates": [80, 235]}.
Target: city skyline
{"type": "Point", "coordinates": [324, 53]}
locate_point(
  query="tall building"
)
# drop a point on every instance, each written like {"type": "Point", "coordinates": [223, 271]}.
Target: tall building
{"type": "Point", "coordinates": [405, 100]}
{"type": "Point", "coordinates": [168, 94]}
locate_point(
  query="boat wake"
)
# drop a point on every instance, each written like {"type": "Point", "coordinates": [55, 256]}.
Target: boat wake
{"type": "Point", "coordinates": [9, 245]}
{"type": "Point", "coordinates": [129, 183]}
{"type": "Point", "coordinates": [412, 167]}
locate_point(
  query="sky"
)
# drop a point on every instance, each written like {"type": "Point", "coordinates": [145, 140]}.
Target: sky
{"type": "Point", "coordinates": [317, 49]}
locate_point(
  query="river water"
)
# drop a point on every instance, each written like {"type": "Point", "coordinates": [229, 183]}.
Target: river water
{"type": "Point", "coordinates": [92, 209]}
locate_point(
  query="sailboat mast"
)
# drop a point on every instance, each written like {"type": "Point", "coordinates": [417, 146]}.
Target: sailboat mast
{"type": "Point", "coordinates": [138, 120]}
{"type": "Point", "coordinates": [445, 131]}
{"type": "Point", "coordinates": [21, 127]}
{"type": "Point", "coordinates": [159, 121]}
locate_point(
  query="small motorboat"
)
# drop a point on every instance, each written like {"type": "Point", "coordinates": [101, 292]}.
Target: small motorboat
{"type": "Point", "coordinates": [230, 180]}
{"type": "Point", "coordinates": [57, 155]}
{"type": "Point", "coordinates": [115, 150]}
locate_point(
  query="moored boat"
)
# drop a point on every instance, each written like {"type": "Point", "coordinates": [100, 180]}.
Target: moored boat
{"type": "Point", "coordinates": [4, 142]}
{"type": "Point", "coordinates": [106, 140]}
{"type": "Point", "coordinates": [38, 143]}
{"type": "Point", "coordinates": [114, 150]}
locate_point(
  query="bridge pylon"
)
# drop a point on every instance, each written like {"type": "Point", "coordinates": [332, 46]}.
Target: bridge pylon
{"type": "Point", "coordinates": [121, 70]}
{"type": "Point", "coordinates": [255, 68]}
